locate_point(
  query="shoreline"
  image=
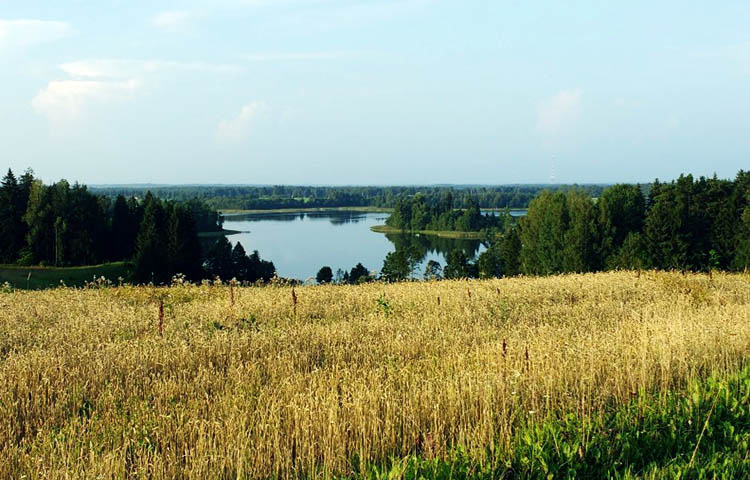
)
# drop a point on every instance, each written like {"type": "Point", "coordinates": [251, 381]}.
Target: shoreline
{"type": "Point", "coordinates": [438, 233]}
{"type": "Point", "coordinates": [233, 212]}
{"type": "Point", "coordinates": [219, 233]}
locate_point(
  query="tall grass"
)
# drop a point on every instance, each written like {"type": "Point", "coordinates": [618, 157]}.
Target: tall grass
{"type": "Point", "coordinates": [259, 382]}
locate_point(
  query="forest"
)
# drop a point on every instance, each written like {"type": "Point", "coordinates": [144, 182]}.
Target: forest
{"type": "Point", "coordinates": [226, 197]}
{"type": "Point", "coordinates": [418, 213]}
{"type": "Point", "coordinates": [687, 224]}
{"type": "Point", "coordinates": [62, 225]}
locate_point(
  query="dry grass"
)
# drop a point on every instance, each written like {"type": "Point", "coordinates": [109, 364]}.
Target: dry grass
{"type": "Point", "coordinates": [88, 387]}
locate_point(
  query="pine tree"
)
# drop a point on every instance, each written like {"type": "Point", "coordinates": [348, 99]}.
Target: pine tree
{"type": "Point", "coordinates": [457, 265]}
{"type": "Point", "coordinates": [359, 274]}
{"type": "Point", "coordinates": [670, 226]}
{"type": "Point", "coordinates": [510, 252]}
{"type": "Point", "coordinates": [581, 242]}
{"type": "Point", "coordinates": [398, 265]}
{"type": "Point", "coordinates": [325, 275]}
{"type": "Point", "coordinates": [183, 245]}
{"type": "Point", "coordinates": [124, 229]}
{"type": "Point", "coordinates": [490, 263]}
{"type": "Point", "coordinates": [621, 212]}
{"type": "Point", "coordinates": [219, 260]}
{"type": "Point", "coordinates": [241, 266]}
{"type": "Point", "coordinates": [151, 261]}
{"type": "Point", "coordinates": [40, 218]}
{"type": "Point", "coordinates": [543, 234]}
{"type": "Point", "coordinates": [741, 260]}
{"type": "Point", "coordinates": [11, 219]}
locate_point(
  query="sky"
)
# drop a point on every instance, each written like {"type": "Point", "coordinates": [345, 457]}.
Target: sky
{"type": "Point", "coordinates": [374, 92]}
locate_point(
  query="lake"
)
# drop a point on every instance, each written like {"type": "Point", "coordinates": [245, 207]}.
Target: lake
{"type": "Point", "coordinates": [299, 244]}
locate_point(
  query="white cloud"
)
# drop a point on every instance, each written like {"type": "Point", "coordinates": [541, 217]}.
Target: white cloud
{"type": "Point", "coordinates": [111, 68]}
{"type": "Point", "coordinates": [560, 112]}
{"type": "Point", "coordinates": [239, 128]}
{"type": "Point", "coordinates": [65, 100]}
{"type": "Point", "coordinates": [175, 21]}
{"type": "Point", "coordinates": [20, 33]}
{"type": "Point", "coordinates": [104, 81]}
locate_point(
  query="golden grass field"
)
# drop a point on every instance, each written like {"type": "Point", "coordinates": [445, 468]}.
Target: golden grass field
{"type": "Point", "coordinates": [89, 388]}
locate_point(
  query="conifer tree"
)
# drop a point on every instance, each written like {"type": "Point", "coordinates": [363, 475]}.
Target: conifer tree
{"type": "Point", "coordinates": [11, 219]}
{"type": "Point", "coordinates": [124, 229]}
{"type": "Point", "coordinates": [183, 246]}
{"type": "Point", "coordinates": [510, 252]}
{"type": "Point", "coordinates": [151, 261]}
{"type": "Point", "coordinates": [219, 260]}
{"type": "Point", "coordinates": [621, 212]}
{"type": "Point", "coordinates": [543, 234]}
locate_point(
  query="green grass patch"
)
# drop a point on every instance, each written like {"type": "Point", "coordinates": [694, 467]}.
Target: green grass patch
{"type": "Point", "coordinates": [36, 278]}
{"type": "Point", "coordinates": [437, 233]}
{"type": "Point", "coordinates": [701, 432]}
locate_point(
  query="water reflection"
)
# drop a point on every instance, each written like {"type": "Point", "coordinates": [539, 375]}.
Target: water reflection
{"type": "Point", "coordinates": [334, 217]}
{"type": "Point", "coordinates": [299, 244]}
{"type": "Point", "coordinates": [432, 245]}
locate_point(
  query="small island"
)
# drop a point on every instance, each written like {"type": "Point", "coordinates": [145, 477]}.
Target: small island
{"type": "Point", "coordinates": [441, 218]}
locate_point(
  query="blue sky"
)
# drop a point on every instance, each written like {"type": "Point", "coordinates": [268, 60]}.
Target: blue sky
{"type": "Point", "coordinates": [374, 92]}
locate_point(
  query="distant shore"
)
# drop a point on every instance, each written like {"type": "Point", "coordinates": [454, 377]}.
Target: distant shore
{"type": "Point", "coordinates": [231, 211]}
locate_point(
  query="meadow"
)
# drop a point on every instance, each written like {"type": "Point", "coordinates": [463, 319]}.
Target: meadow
{"type": "Point", "coordinates": [622, 374]}
{"type": "Point", "coordinates": [36, 278]}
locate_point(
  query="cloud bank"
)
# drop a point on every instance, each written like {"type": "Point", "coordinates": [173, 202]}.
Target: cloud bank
{"type": "Point", "coordinates": [65, 100]}
{"type": "Point", "coordinates": [103, 81]}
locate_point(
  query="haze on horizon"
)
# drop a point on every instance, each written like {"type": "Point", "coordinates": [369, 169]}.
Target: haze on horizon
{"type": "Point", "coordinates": [374, 92]}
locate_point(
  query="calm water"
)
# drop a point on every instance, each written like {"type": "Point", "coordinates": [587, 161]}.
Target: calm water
{"type": "Point", "coordinates": [300, 243]}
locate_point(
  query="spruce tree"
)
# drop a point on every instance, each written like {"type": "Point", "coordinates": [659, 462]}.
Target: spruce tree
{"type": "Point", "coordinates": [241, 266]}
{"type": "Point", "coordinates": [510, 252]}
{"type": "Point", "coordinates": [621, 212]}
{"type": "Point", "coordinates": [151, 261]}
{"type": "Point", "coordinates": [581, 242]}
{"type": "Point", "coordinates": [124, 230]}
{"type": "Point", "coordinates": [219, 259]}
{"type": "Point", "coordinates": [543, 234]}
{"type": "Point", "coordinates": [11, 219]}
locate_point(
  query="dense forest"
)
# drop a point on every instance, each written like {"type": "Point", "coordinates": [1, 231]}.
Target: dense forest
{"type": "Point", "coordinates": [419, 213]}
{"type": "Point", "coordinates": [290, 197]}
{"type": "Point", "coordinates": [687, 224]}
{"type": "Point", "coordinates": [63, 225]}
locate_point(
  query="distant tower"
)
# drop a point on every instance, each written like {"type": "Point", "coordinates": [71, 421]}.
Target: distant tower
{"type": "Point", "coordinates": [552, 172]}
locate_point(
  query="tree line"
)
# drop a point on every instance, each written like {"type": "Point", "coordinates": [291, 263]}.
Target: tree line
{"type": "Point", "coordinates": [686, 224]}
{"type": "Point", "coordinates": [67, 225]}
{"type": "Point", "coordinates": [294, 197]}
{"type": "Point", "coordinates": [420, 213]}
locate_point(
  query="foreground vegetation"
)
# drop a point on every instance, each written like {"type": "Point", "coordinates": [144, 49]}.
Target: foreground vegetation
{"type": "Point", "coordinates": [518, 377]}
{"type": "Point", "coordinates": [702, 431]}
